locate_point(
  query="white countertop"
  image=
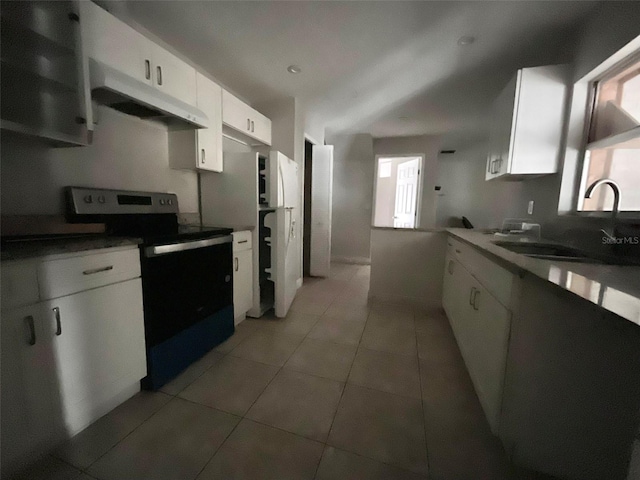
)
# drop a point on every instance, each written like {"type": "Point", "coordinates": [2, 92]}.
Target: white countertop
{"type": "Point", "coordinates": [614, 288]}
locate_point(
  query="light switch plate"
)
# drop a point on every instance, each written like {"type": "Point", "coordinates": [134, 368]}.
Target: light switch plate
{"type": "Point", "coordinates": [530, 207]}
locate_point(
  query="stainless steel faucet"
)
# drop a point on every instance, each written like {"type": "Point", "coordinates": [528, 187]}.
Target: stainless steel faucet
{"type": "Point", "coordinates": [616, 193]}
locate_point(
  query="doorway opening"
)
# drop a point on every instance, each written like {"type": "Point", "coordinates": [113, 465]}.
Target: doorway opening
{"type": "Point", "coordinates": [306, 230]}
{"type": "Point", "coordinates": [397, 191]}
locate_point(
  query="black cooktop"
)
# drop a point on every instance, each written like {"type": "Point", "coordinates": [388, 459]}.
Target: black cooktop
{"type": "Point", "coordinates": [185, 233]}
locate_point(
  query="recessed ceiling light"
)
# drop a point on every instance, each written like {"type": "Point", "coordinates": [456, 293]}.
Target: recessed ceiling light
{"type": "Point", "coordinates": [466, 40]}
{"type": "Point", "coordinates": [294, 69]}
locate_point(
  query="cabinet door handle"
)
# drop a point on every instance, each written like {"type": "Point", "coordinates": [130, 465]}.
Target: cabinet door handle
{"type": "Point", "coordinates": [471, 295]}
{"type": "Point", "coordinates": [159, 74]}
{"type": "Point", "coordinates": [56, 313]}
{"type": "Point", "coordinates": [243, 241]}
{"type": "Point", "coordinates": [248, 124]}
{"type": "Point", "coordinates": [475, 298]}
{"type": "Point", "coordinates": [451, 267]}
{"type": "Point", "coordinates": [32, 329]}
{"type": "Point", "coordinates": [236, 261]}
{"type": "Point", "coordinates": [202, 155]}
{"type": "Point", "coordinates": [91, 271]}
{"type": "Point", "coordinates": [147, 69]}
{"type": "Point", "coordinates": [253, 126]}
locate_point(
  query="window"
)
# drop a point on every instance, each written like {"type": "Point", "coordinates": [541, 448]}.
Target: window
{"type": "Point", "coordinates": [613, 145]}
{"type": "Point", "coordinates": [397, 191]}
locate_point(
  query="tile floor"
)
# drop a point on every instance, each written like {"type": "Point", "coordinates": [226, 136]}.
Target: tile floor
{"type": "Point", "coordinates": [340, 389]}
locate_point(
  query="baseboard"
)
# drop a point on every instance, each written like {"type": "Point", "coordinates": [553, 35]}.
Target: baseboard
{"type": "Point", "coordinates": [351, 260]}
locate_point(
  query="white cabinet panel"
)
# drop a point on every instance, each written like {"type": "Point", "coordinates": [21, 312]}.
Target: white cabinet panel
{"type": "Point", "coordinates": [173, 76]}
{"type": "Point", "coordinates": [527, 123]}
{"type": "Point", "coordinates": [30, 400]}
{"type": "Point", "coordinates": [242, 283]}
{"type": "Point", "coordinates": [244, 119]}
{"type": "Point", "coordinates": [98, 341]}
{"type": "Point", "coordinates": [209, 140]}
{"type": "Point", "coordinates": [115, 43]}
{"type": "Point", "coordinates": [19, 284]}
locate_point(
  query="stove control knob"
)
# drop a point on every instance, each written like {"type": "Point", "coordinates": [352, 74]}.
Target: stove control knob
{"type": "Point", "coordinates": [101, 199]}
{"type": "Point", "coordinates": [170, 201]}
{"type": "Point", "coordinates": [88, 199]}
{"type": "Point", "coordinates": [227, 278]}
{"type": "Point", "coordinates": [162, 201]}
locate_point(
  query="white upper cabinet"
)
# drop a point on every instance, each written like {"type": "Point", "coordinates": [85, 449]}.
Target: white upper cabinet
{"type": "Point", "coordinates": [245, 120]}
{"type": "Point", "coordinates": [527, 124]}
{"type": "Point", "coordinates": [114, 43]}
{"type": "Point", "coordinates": [209, 100]}
{"type": "Point", "coordinates": [200, 149]}
{"type": "Point", "coordinates": [173, 76]}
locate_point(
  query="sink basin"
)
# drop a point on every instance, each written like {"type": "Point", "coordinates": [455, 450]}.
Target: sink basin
{"type": "Point", "coordinates": [552, 251]}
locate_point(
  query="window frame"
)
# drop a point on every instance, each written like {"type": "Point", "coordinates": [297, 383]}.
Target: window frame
{"type": "Point", "coordinates": [582, 101]}
{"type": "Point", "coordinates": [421, 157]}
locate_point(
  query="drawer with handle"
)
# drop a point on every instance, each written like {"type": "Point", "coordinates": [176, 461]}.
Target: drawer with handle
{"type": "Point", "coordinates": [62, 277]}
{"type": "Point", "coordinates": [241, 241]}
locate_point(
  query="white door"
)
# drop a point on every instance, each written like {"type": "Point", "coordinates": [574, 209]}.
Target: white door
{"type": "Point", "coordinates": [31, 418]}
{"type": "Point", "coordinates": [321, 197]}
{"type": "Point", "coordinates": [242, 283]}
{"type": "Point", "coordinates": [406, 194]}
{"type": "Point", "coordinates": [209, 100]}
{"type": "Point", "coordinates": [173, 76]}
{"type": "Point", "coordinates": [99, 343]}
{"type": "Point", "coordinates": [114, 43]}
{"type": "Point", "coordinates": [287, 260]}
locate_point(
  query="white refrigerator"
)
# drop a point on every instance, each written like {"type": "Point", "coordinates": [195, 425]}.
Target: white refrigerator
{"type": "Point", "coordinates": [283, 195]}
{"type": "Point", "coordinates": [261, 193]}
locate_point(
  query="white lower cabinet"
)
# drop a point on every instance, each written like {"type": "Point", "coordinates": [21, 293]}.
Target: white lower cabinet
{"type": "Point", "coordinates": [481, 326]}
{"type": "Point", "coordinates": [30, 407]}
{"type": "Point", "coordinates": [67, 361]}
{"type": "Point", "coordinates": [98, 345]}
{"type": "Point", "coordinates": [242, 275]}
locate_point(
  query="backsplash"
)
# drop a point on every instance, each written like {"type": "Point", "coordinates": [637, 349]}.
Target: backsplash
{"type": "Point", "coordinates": [127, 153]}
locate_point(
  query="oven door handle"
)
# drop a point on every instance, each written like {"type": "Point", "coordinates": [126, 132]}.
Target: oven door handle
{"type": "Point", "coordinates": [181, 247]}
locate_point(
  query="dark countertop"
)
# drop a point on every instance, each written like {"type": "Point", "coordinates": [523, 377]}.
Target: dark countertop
{"type": "Point", "coordinates": [23, 249]}
{"type": "Point", "coordinates": [613, 287]}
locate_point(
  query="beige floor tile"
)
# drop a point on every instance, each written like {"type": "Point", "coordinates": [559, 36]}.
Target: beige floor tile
{"type": "Point", "coordinates": [255, 451]}
{"type": "Point", "coordinates": [339, 464]}
{"type": "Point", "coordinates": [299, 403]}
{"type": "Point", "coordinates": [348, 311]}
{"type": "Point", "coordinates": [243, 330]}
{"type": "Point", "coordinates": [385, 371]}
{"type": "Point", "coordinates": [337, 330]}
{"type": "Point", "coordinates": [175, 443]}
{"type": "Point", "coordinates": [47, 468]}
{"type": "Point", "coordinates": [392, 340]}
{"type": "Point", "coordinates": [313, 304]}
{"type": "Point", "coordinates": [379, 425]}
{"type": "Point", "coordinates": [442, 382]}
{"type": "Point", "coordinates": [438, 349]}
{"type": "Point", "coordinates": [273, 349]}
{"type": "Point", "coordinates": [295, 323]}
{"type": "Point", "coordinates": [432, 323]}
{"type": "Point", "coordinates": [391, 320]}
{"type": "Point", "coordinates": [191, 373]}
{"type": "Point", "coordinates": [96, 440]}
{"type": "Point", "coordinates": [322, 358]}
{"type": "Point", "coordinates": [232, 385]}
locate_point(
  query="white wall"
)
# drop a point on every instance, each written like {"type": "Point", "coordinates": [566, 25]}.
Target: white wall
{"type": "Point", "coordinates": [353, 172]}
{"type": "Point", "coordinates": [127, 153]}
{"type": "Point", "coordinates": [407, 267]}
{"type": "Point", "coordinates": [427, 145]}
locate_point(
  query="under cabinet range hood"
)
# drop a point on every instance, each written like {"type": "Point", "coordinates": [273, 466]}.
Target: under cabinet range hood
{"type": "Point", "coordinates": [131, 96]}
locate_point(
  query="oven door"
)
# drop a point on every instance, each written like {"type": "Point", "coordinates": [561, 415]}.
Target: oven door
{"type": "Point", "coordinates": [185, 284]}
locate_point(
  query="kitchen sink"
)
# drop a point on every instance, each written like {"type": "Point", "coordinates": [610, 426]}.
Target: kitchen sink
{"type": "Point", "coordinates": [553, 251]}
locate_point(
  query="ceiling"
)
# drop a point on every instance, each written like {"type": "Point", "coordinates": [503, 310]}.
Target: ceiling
{"type": "Point", "coordinates": [389, 68]}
